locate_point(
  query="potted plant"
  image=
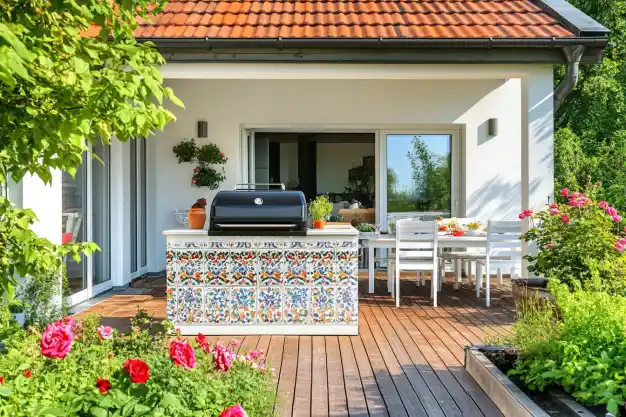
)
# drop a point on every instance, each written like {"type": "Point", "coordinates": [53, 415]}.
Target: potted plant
{"type": "Point", "coordinates": [320, 208]}
{"type": "Point", "coordinates": [16, 308]}
{"type": "Point", "coordinates": [197, 214]}
{"type": "Point", "coordinates": [186, 150]}
{"type": "Point", "coordinates": [474, 228]}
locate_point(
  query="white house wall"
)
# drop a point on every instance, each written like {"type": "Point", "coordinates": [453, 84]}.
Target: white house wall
{"type": "Point", "coordinates": [492, 174]}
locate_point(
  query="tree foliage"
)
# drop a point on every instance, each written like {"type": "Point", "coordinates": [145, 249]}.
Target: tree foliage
{"type": "Point", "coordinates": [590, 139]}
{"type": "Point", "coordinates": [71, 74]}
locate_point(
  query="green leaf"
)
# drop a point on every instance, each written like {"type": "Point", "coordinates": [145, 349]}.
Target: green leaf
{"type": "Point", "coordinates": [98, 412]}
{"type": "Point", "coordinates": [50, 411]}
{"type": "Point", "coordinates": [5, 391]}
{"type": "Point", "coordinates": [170, 400]}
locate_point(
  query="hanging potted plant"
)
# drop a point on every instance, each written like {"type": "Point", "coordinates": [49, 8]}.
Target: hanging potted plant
{"type": "Point", "coordinates": [320, 208]}
{"type": "Point", "coordinates": [186, 150]}
{"type": "Point", "coordinates": [197, 215]}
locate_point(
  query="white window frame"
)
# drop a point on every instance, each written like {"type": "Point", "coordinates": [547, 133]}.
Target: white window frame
{"type": "Point", "coordinates": [381, 168]}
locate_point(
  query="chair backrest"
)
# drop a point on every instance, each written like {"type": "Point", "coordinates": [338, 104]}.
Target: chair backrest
{"type": "Point", "coordinates": [503, 239]}
{"type": "Point", "coordinates": [73, 224]}
{"type": "Point", "coordinates": [416, 244]}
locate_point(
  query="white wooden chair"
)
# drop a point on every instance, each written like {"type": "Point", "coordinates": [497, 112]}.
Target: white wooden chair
{"type": "Point", "coordinates": [416, 250]}
{"type": "Point", "coordinates": [504, 250]}
{"type": "Point", "coordinates": [72, 224]}
{"type": "Point", "coordinates": [466, 257]}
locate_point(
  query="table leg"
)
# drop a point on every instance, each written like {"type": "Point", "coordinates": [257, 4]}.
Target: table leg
{"type": "Point", "coordinates": [457, 271]}
{"type": "Point", "coordinates": [370, 268]}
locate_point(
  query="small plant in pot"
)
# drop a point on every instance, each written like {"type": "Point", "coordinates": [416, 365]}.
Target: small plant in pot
{"type": "Point", "coordinates": [320, 208]}
{"type": "Point", "coordinates": [186, 150]}
{"type": "Point", "coordinates": [197, 214]}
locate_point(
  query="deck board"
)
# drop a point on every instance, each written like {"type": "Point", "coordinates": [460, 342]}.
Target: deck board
{"type": "Point", "coordinates": [405, 362]}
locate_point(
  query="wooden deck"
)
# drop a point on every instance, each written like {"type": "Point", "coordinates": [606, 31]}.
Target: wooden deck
{"type": "Point", "coordinates": [406, 361]}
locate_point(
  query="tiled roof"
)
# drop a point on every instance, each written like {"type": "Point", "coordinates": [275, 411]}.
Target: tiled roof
{"type": "Point", "coordinates": [352, 19]}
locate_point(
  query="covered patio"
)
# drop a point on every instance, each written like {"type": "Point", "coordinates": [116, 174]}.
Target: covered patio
{"type": "Point", "coordinates": [405, 361]}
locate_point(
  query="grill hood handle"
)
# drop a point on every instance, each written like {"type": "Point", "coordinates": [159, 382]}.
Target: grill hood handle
{"type": "Point", "coordinates": [240, 187]}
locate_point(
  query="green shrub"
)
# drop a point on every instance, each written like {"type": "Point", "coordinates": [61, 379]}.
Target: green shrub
{"type": "Point", "coordinates": [587, 355]}
{"type": "Point", "coordinates": [103, 373]}
{"type": "Point", "coordinates": [579, 242]}
{"type": "Point", "coordinates": [42, 299]}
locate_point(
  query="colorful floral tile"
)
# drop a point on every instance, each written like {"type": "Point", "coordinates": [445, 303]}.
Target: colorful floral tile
{"type": "Point", "coordinates": [347, 305]}
{"type": "Point", "coordinates": [347, 244]}
{"type": "Point", "coordinates": [219, 245]}
{"type": "Point", "coordinates": [271, 274]}
{"type": "Point", "coordinates": [243, 270]}
{"type": "Point", "coordinates": [270, 257]}
{"type": "Point", "coordinates": [189, 305]}
{"type": "Point", "coordinates": [327, 256]}
{"type": "Point", "coordinates": [217, 275]}
{"type": "Point", "coordinates": [346, 267]}
{"type": "Point", "coordinates": [267, 244]}
{"type": "Point", "coordinates": [296, 274]}
{"type": "Point", "coordinates": [323, 305]}
{"type": "Point", "coordinates": [296, 305]}
{"type": "Point", "coordinates": [170, 304]}
{"type": "Point", "coordinates": [243, 305]}
{"type": "Point", "coordinates": [296, 256]}
{"type": "Point", "coordinates": [216, 305]}
{"type": "Point", "coordinates": [242, 245]}
{"type": "Point", "coordinates": [171, 277]}
{"type": "Point", "coordinates": [270, 305]}
{"type": "Point", "coordinates": [298, 244]}
{"type": "Point", "coordinates": [321, 273]}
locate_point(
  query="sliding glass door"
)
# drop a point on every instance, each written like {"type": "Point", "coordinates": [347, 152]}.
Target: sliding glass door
{"type": "Point", "coordinates": [138, 219]}
{"type": "Point", "coordinates": [86, 217]}
{"type": "Point", "coordinates": [418, 174]}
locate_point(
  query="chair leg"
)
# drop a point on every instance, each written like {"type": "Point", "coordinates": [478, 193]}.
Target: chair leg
{"type": "Point", "coordinates": [487, 285]}
{"type": "Point", "coordinates": [457, 271]}
{"type": "Point", "coordinates": [479, 279]}
{"type": "Point", "coordinates": [435, 284]}
{"type": "Point", "coordinates": [469, 272]}
{"type": "Point", "coordinates": [499, 278]}
{"type": "Point", "coordinates": [390, 282]}
{"type": "Point", "coordinates": [419, 278]}
{"type": "Point", "coordinates": [397, 292]}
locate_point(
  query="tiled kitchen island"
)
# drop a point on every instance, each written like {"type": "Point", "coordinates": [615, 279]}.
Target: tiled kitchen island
{"type": "Point", "coordinates": [241, 285]}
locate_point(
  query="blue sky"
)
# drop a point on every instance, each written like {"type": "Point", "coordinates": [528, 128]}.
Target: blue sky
{"type": "Point", "coordinates": [399, 145]}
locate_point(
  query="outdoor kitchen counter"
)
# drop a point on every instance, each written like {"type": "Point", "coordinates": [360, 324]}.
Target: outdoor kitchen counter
{"type": "Point", "coordinates": [240, 285]}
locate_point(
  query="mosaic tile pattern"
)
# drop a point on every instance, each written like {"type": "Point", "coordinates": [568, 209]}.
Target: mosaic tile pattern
{"type": "Point", "coordinates": [260, 281]}
{"type": "Point", "coordinates": [217, 305]}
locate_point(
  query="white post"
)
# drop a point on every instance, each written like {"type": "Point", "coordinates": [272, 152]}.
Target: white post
{"type": "Point", "coordinates": [537, 151]}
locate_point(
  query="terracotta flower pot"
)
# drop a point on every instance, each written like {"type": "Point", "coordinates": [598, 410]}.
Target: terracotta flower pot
{"type": "Point", "coordinates": [318, 224]}
{"type": "Point", "coordinates": [197, 218]}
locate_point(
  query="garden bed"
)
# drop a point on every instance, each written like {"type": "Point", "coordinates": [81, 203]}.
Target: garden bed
{"type": "Point", "coordinates": [489, 366]}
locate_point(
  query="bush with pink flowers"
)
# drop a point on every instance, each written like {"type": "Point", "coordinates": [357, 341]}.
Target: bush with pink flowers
{"type": "Point", "coordinates": [580, 242]}
{"type": "Point", "coordinates": [84, 368]}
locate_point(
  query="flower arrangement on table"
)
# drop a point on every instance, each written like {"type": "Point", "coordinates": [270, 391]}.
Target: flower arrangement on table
{"type": "Point", "coordinates": [80, 367]}
{"type": "Point", "coordinates": [204, 174]}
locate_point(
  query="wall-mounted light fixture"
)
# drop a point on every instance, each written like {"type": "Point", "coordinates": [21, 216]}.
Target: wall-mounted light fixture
{"type": "Point", "coordinates": [493, 127]}
{"type": "Point", "coordinates": [203, 129]}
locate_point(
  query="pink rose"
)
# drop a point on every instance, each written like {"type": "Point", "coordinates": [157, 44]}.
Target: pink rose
{"type": "Point", "coordinates": [235, 343]}
{"type": "Point", "coordinates": [56, 340]}
{"type": "Point", "coordinates": [202, 341]}
{"type": "Point", "coordinates": [223, 357]}
{"type": "Point", "coordinates": [105, 332]}
{"type": "Point", "coordinates": [575, 195]}
{"type": "Point", "coordinates": [611, 211]}
{"type": "Point", "coordinates": [234, 411]}
{"type": "Point", "coordinates": [549, 245]}
{"type": "Point", "coordinates": [603, 205]}
{"type": "Point", "coordinates": [182, 354]}
{"type": "Point", "coordinates": [564, 192]}
{"type": "Point", "coordinates": [554, 211]}
{"type": "Point", "coordinates": [617, 218]}
{"type": "Point", "coordinates": [565, 219]}
{"type": "Point", "coordinates": [620, 245]}
{"type": "Point", "coordinates": [254, 354]}
{"type": "Point", "coordinates": [554, 205]}
{"type": "Point", "coordinates": [525, 213]}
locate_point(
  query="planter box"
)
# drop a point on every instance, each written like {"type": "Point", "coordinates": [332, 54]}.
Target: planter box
{"type": "Point", "coordinates": [508, 397]}
{"type": "Point", "coordinates": [504, 393]}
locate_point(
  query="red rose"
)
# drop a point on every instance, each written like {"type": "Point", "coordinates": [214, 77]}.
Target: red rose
{"type": "Point", "coordinates": [103, 385]}
{"type": "Point", "coordinates": [27, 373]}
{"type": "Point", "coordinates": [202, 341]}
{"type": "Point", "coordinates": [1, 380]}
{"type": "Point", "coordinates": [222, 155]}
{"type": "Point", "coordinates": [234, 411]}
{"type": "Point", "coordinates": [138, 370]}
{"type": "Point", "coordinates": [182, 354]}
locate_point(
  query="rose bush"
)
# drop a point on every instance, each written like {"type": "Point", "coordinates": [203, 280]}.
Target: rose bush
{"type": "Point", "coordinates": [578, 242]}
{"type": "Point", "coordinates": [79, 368]}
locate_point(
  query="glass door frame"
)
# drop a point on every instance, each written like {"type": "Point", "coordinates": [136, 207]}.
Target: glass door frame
{"type": "Point", "coordinates": [381, 169]}
{"type": "Point", "coordinates": [88, 261]}
{"type": "Point", "coordinates": [140, 246]}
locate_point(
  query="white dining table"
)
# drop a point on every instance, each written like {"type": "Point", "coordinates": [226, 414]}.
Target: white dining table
{"type": "Point", "coordinates": [374, 241]}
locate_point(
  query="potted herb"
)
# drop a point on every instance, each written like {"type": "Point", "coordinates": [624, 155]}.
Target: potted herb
{"type": "Point", "coordinates": [16, 308]}
{"type": "Point", "coordinates": [206, 176]}
{"type": "Point", "coordinates": [474, 229]}
{"type": "Point", "coordinates": [186, 150]}
{"type": "Point", "coordinates": [197, 214]}
{"type": "Point", "coordinates": [320, 208]}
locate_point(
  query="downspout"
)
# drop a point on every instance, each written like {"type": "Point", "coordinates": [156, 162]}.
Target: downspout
{"type": "Point", "coordinates": [573, 54]}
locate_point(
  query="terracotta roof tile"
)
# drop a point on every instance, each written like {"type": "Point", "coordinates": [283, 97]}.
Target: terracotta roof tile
{"type": "Point", "coordinates": [351, 19]}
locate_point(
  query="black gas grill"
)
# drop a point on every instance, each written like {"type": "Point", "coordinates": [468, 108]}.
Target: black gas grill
{"type": "Point", "coordinates": [249, 210]}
